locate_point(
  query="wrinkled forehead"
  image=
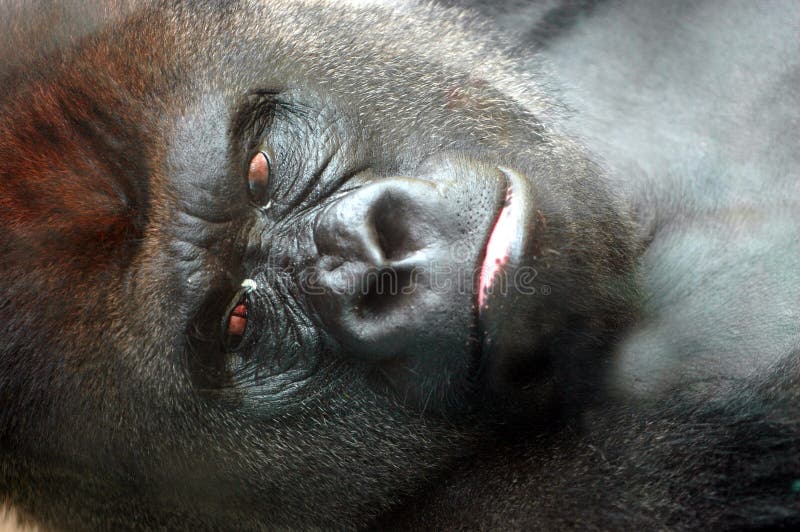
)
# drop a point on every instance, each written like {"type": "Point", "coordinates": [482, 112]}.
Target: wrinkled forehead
{"type": "Point", "coordinates": [370, 62]}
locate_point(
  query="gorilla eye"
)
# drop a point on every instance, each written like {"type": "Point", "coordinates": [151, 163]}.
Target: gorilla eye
{"type": "Point", "coordinates": [234, 321]}
{"type": "Point", "coordinates": [258, 178]}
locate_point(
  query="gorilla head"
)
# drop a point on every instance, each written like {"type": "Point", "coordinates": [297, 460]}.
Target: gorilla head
{"type": "Point", "coordinates": [279, 262]}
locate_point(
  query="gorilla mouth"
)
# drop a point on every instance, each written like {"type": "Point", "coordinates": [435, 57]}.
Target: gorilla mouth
{"type": "Point", "coordinates": [506, 242]}
{"type": "Point", "coordinates": [498, 247]}
{"type": "Point", "coordinates": [507, 273]}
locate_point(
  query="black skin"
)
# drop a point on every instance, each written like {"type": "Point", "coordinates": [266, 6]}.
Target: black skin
{"type": "Point", "coordinates": [646, 375]}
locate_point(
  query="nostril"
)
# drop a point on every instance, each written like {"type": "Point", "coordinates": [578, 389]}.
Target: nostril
{"type": "Point", "coordinates": [383, 291]}
{"type": "Point", "coordinates": [392, 218]}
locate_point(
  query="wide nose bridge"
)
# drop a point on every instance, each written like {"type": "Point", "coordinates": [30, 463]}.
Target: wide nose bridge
{"type": "Point", "coordinates": [372, 245]}
{"type": "Point", "coordinates": [380, 225]}
{"type": "Point", "coordinates": [388, 224]}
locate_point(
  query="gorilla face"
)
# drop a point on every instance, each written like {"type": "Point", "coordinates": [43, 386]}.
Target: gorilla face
{"type": "Point", "coordinates": [415, 257]}
{"type": "Point", "coordinates": [254, 270]}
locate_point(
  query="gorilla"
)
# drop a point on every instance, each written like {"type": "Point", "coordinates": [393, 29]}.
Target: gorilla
{"type": "Point", "coordinates": [308, 264]}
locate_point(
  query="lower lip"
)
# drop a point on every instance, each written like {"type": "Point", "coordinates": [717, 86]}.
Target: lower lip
{"type": "Point", "coordinates": [499, 247]}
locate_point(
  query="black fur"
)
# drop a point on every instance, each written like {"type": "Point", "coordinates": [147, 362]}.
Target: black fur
{"type": "Point", "coordinates": [659, 384]}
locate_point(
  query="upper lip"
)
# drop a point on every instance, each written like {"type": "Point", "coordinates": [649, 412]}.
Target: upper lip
{"type": "Point", "coordinates": [493, 311]}
{"type": "Point", "coordinates": [502, 245]}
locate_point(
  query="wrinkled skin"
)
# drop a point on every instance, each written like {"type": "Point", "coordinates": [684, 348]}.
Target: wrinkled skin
{"type": "Point", "coordinates": [639, 369]}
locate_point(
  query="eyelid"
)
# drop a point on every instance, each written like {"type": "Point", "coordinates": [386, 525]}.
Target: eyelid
{"type": "Point", "coordinates": [269, 154]}
{"type": "Point", "coordinates": [258, 177]}
{"type": "Point", "coordinates": [253, 115]}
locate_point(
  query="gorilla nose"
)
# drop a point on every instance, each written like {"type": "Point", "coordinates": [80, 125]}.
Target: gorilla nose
{"type": "Point", "coordinates": [380, 225]}
{"type": "Point", "coordinates": [396, 263]}
{"type": "Point", "coordinates": [375, 249]}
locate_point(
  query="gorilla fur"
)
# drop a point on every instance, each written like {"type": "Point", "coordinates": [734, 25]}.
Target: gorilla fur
{"type": "Point", "coordinates": [661, 387]}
